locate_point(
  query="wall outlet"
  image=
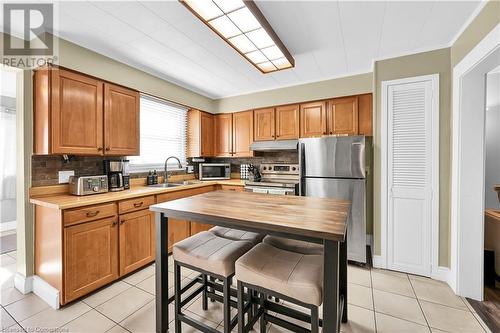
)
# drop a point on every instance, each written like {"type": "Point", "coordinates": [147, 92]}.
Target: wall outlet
{"type": "Point", "coordinates": [64, 176]}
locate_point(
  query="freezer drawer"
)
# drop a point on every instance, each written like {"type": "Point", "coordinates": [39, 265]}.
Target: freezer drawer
{"type": "Point", "coordinates": [345, 189]}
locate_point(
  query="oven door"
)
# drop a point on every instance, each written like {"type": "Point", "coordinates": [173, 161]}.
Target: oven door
{"type": "Point", "coordinates": [214, 171]}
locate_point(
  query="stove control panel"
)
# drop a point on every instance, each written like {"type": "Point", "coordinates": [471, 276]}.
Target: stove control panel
{"type": "Point", "coordinates": [281, 169]}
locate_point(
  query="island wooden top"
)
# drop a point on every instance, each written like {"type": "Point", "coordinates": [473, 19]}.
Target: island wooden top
{"type": "Point", "coordinates": [66, 201]}
{"type": "Point", "coordinates": [302, 216]}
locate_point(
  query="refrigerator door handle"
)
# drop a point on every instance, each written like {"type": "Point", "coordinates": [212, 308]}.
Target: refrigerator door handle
{"type": "Point", "coordinates": [302, 166]}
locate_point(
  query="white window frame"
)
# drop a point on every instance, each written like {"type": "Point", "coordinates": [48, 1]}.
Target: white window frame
{"type": "Point", "coordinates": [160, 166]}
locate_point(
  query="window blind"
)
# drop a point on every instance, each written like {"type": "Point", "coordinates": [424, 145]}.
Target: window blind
{"type": "Point", "coordinates": [163, 134]}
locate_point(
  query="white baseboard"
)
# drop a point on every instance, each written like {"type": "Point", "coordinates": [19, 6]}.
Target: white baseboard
{"type": "Point", "coordinates": [442, 274]}
{"type": "Point", "coordinates": [23, 284]}
{"type": "Point", "coordinates": [378, 262]}
{"type": "Point", "coordinates": [46, 292]}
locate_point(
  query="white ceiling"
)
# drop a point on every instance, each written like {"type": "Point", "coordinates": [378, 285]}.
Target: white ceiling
{"type": "Point", "coordinates": [327, 38]}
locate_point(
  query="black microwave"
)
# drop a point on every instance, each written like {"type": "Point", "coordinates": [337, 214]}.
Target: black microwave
{"type": "Point", "coordinates": [214, 171]}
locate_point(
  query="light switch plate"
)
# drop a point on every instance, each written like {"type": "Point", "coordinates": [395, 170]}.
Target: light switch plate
{"type": "Point", "coordinates": [64, 176]}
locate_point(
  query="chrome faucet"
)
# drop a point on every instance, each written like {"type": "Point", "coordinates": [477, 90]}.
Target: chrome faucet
{"type": "Point", "coordinates": [165, 180]}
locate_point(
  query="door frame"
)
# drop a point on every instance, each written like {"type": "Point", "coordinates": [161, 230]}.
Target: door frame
{"type": "Point", "coordinates": [434, 227]}
{"type": "Point", "coordinates": [467, 209]}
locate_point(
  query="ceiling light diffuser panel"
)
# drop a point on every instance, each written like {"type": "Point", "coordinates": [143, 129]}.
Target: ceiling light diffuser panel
{"type": "Point", "coordinates": [243, 26]}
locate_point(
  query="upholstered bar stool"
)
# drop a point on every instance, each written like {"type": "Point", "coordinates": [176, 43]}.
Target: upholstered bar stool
{"type": "Point", "coordinates": [294, 277]}
{"type": "Point", "coordinates": [294, 245]}
{"type": "Point", "coordinates": [235, 234]}
{"type": "Point", "coordinates": [210, 255]}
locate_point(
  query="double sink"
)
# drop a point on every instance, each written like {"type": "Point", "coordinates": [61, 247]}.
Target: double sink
{"type": "Point", "coordinates": [175, 184]}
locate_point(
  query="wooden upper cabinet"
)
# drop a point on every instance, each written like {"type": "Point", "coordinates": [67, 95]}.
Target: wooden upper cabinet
{"type": "Point", "coordinates": [223, 135]}
{"type": "Point", "coordinates": [200, 138]}
{"type": "Point", "coordinates": [287, 122]}
{"type": "Point", "coordinates": [77, 114]}
{"type": "Point", "coordinates": [264, 124]}
{"type": "Point", "coordinates": [365, 115]}
{"type": "Point", "coordinates": [242, 133]}
{"type": "Point", "coordinates": [137, 240]}
{"type": "Point", "coordinates": [121, 121]}
{"type": "Point", "coordinates": [90, 257]}
{"type": "Point", "coordinates": [71, 122]}
{"type": "Point", "coordinates": [343, 116]}
{"type": "Point", "coordinates": [313, 119]}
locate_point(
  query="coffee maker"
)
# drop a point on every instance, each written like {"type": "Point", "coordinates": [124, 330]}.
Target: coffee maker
{"type": "Point", "coordinates": [114, 171]}
{"type": "Point", "coordinates": [126, 174]}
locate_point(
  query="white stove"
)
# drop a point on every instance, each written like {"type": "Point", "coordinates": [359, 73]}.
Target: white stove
{"type": "Point", "coordinates": [276, 178]}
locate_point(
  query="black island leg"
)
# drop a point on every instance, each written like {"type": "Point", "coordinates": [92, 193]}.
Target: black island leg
{"type": "Point", "coordinates": [330, 286]}
{"type": "Point", "coordinates": [161, 273]}
{"type": "Point", "coordinates": [343, 277]}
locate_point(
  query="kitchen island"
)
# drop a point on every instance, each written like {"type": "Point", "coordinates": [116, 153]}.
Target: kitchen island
{"type": "Point", "coordinates": [304, 218]}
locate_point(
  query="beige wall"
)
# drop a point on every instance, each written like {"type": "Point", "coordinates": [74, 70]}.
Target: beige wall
{"type": "Point", "coordinates": [484, 22]}
{"type": "Point", "coordinates": [432, 62]}
{"type": "Point", "coordinates": [344, 86]}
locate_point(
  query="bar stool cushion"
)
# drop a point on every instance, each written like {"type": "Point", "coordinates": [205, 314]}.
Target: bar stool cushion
{"type": "Point", "coordinates": [294, 245]}
{"type": "Point", "coordinates": [288, 273]}
{"type": "Point", "coordinates": [235, 234]}
{"type": "Point", "coordinates": [210, 253]}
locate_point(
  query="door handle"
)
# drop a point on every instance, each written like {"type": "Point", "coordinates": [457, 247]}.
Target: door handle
{"type": "Point", "coordinates": [138, 204]}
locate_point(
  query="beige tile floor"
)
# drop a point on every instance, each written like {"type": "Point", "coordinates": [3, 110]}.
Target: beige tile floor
{"type": "Point", "coordinates": [379, 301]}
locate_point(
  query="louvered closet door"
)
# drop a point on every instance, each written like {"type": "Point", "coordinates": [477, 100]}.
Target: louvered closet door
{"type": "Point", "coordinates": [409, 177]}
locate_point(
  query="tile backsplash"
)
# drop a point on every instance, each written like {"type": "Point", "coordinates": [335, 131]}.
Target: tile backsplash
{"type": "Point", "coordinates": [45, 169]}
{"type": "Point", "coordinates": [259, 158]}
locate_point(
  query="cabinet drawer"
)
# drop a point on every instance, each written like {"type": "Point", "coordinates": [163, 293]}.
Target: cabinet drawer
{"type": "Point", "coordinates": [89, 213]}
{"type": "Point", "coordinates": [235, 188]}
{"type": "Point", "coordinates": [135, 204]}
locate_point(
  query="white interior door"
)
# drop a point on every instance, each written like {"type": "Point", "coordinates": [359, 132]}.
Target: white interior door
{"type": "Point", "coordinates": [411, 173]}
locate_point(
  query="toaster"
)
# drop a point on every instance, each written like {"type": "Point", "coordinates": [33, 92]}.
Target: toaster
{"type": "Point", "coordinates": [84, 185]}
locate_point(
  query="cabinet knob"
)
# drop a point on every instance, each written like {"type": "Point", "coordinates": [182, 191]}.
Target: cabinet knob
{"type": "Point", "coordinates": [108, 149]}
{"type": "Point", "coordinates": [99, 148]}
{"type": "Point", "coordinates": [114, 223]}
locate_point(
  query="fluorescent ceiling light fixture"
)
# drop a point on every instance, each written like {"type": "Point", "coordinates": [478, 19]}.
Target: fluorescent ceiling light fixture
{"type": "Point", "coordinates": [243, 26]}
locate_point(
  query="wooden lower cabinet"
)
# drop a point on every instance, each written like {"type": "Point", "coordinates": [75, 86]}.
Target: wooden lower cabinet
{"type": "Point", "coordinates": [137, 240]}
{"type": "Point", "coordinates": [199, 227]}
{"type": "Point", "coordinates": [90, 256]}
{"type": "Point", "coordinates": [177, 231]}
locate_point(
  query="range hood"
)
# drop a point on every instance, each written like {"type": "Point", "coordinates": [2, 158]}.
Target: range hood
{"type": "Point", "coordinates": [274, 145]}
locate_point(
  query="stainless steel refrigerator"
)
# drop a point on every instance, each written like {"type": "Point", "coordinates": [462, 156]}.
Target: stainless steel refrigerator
{"type": "Point", "coordinates": [334, 167]}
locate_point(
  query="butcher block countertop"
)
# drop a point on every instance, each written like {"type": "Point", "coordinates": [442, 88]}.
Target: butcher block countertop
{"type": "Point", "coordinates": [66, 201]}
{"type": "Point", "coordinates": [318, 218]}
{"type": "Point", "coordinates": [493, 214]}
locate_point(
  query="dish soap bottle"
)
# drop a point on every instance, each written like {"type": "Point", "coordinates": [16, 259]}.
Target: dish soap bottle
{"type": "Point", "coordinates": [150, 178]}
{"type": "Point", "coordinates": [155, 177]}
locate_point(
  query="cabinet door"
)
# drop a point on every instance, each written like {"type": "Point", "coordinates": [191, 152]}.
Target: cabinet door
{"type": "Point", "coordinates": [121, 121]}
{"type": "Point", "coordinates": [365, 114]}
{"type": "Point", "coordinates": [90, 256]}
{"type": "Point", "coordinates": [206, 134]}
{"type": "Point", "coordinates": [223, 135]}
{"type": "Point", "coordinates": [312, 119]}
{"type": "Point", "coordinates": [77, 114]}
{"type": "Point", "coordinates": [177, 231]}
{"type": "Point", "coordinates": [287, 122]}
{"type": "Point", "coordinates": [242, 133]}
{"type": "Point", "coordinates": [264, 124]}
{"type": "Point", "coordinates": [137, 240]}
{"type": "Point", "coordinates": [343, 116]}
{"type": "Point", "coordinates": [197, 227]}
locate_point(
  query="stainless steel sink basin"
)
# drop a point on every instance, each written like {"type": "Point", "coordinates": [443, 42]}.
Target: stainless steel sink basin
{"type": "Point", "coordinates": [187, 182]}
{"type": "Point", "coordinates": [166, 185]}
